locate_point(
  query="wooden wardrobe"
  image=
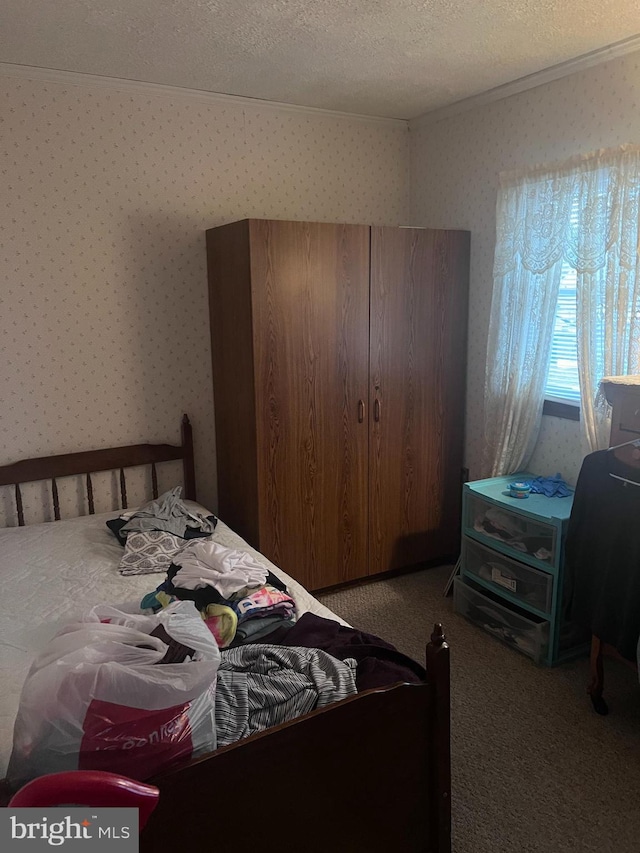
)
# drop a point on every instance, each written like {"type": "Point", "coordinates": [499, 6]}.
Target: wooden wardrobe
{"type": "Point", "coordinates": [339, 382]}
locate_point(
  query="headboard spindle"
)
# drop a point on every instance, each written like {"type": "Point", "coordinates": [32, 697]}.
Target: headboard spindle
{"type": "Point", "coordinates": [123, 489]}
{"type": "Point", "coordinates": [19, 508]}
{"type": "Point", "coordinates": [56, 500]}
{"type": "Point", "coordinates": [90, 494]}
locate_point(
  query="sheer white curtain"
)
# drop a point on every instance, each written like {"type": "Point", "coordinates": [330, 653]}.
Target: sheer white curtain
{"type": "Point", "coordinates": [584, 211]}
{"type": "Point", "coordinates": [603, 246]}
{"type": "Point", "coordinates": [531, 212]}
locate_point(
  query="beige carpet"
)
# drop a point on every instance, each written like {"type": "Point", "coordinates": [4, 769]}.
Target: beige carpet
{"type": "Point", "coordinates": [533, 767]}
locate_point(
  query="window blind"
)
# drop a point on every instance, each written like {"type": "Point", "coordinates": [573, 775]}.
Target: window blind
{"type": "Point", "coordinates": [562, 378]}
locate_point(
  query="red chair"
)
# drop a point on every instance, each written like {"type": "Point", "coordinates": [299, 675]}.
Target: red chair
{"type": "Point", "coordinates": [88, 788]}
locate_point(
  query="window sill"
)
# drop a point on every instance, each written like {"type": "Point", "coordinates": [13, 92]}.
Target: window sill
{"type": "Point", "coordinates": [561, 410]}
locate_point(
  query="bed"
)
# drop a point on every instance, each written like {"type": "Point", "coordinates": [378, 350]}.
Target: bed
{"type": "Point", "coordinates": [369, 773]}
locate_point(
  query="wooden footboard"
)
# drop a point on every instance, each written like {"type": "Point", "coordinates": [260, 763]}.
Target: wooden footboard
{"type": "Point", "coordinates": [369, 774]}
{"type": "Point", "coordinates": [366, 775]}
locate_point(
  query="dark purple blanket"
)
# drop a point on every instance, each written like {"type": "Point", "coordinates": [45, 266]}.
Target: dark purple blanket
{"type": "Point", "coordinates": [379, 663]}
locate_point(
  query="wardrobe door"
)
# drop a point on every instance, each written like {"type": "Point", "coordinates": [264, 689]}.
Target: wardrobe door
{"type": "Point", "coordinates": [229, 273]}
{"type": "Point", "coordinates": [310, 301]}
{"type": "Point", "coordinates": [419, 294]}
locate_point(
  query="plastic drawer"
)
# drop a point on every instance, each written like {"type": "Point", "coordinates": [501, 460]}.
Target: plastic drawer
{"type": "Point", "coordinates": [531, 586]}
{"type": "Point", "coordinates": [521, 535]}
{"type": "Point", "coordinates": [527, 633]}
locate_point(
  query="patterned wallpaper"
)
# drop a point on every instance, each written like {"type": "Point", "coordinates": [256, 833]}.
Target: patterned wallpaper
{"type": "Point", "coordinates": [107, 193]}
{"type": "Point", "coordinates": [454, 169]}
{"type": "Point", "coordinates": [104, 331]}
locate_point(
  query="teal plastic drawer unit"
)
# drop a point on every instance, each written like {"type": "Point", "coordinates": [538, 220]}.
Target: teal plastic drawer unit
{"type": "Point", "coordinates": [511, 568]}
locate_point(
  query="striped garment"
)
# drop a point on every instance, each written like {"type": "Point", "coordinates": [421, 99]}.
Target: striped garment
{"type": "Point", "coordinates": [259, 686]}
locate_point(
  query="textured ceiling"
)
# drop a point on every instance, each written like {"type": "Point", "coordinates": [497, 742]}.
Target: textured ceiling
{"type": "Point", "coordinates": [396, 58]}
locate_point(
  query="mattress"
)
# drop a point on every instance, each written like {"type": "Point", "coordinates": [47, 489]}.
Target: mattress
{"type": "Point", "coordinates": [53, 572]}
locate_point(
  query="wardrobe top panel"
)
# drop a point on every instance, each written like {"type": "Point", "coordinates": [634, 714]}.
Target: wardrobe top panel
{"type": "Point", "coordinates": [330, 222]}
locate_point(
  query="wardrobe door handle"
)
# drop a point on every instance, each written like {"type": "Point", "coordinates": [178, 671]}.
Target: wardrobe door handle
{"type": "Point", "coordinates": [360, 411]}
{"type": "Point", "coordinates": [376, 410]}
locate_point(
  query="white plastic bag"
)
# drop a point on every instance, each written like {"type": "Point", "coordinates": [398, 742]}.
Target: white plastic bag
{"type": "Point", "coordinates": [98, 698]}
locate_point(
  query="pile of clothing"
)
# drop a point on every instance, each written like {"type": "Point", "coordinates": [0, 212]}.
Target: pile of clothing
{"type": "Point", "coordinates": [154, 533]}
{"type": "Point", "coordinates": [237, 596]}
{"type": "Point", "coordinates": [275, 664]}
{"type": "Point", "coordinates": [168, 513]}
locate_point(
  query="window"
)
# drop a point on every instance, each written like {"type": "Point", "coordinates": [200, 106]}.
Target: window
{"type": "Point", "coordinates": [562, 383]}
{"type": "Point", "coordinates": [551, 220]}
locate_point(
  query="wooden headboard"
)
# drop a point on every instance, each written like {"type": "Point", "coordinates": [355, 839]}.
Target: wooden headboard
{"type": "Point", "coordinates": [108, 459]}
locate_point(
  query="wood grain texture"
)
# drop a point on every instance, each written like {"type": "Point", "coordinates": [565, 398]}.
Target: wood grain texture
{"type": "Point", "coordinates": [339, 382]}
{"type": "Point", "coordinates": [417, 384]}
{"type": "Point", "coordinates": [68, 464]}
{"type": "Point", "coordinates": [354, 777]}
{"type": "Point", "coordinates": [310, 314]}
{"type": "Point", "coordinates": [229, 272]}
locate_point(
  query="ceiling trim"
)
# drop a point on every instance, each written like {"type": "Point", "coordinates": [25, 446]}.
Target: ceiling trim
{"type": "Point", "coordinates": [76, 78]}
{"type": "Point", "coordinates": [530, 81]}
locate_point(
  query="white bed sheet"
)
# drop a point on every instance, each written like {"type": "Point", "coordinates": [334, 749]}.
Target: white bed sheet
{"type": "Point", "coordinates": [52, 572]}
